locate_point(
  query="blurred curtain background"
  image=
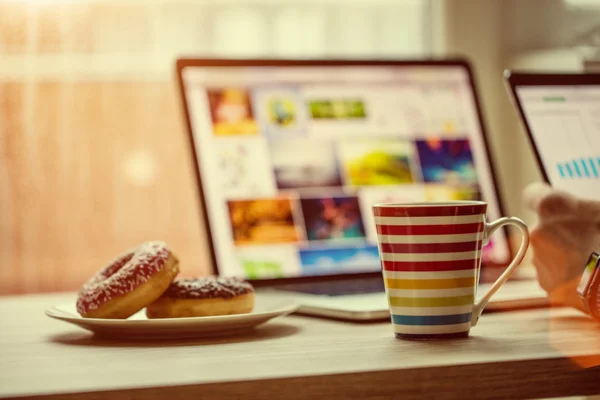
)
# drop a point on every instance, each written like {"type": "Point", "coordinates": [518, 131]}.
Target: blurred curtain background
{"type": "Point", "coordinates": [93, 151]}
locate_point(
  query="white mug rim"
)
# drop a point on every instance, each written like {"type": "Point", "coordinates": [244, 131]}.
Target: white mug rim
{"type": "Point", "coordinates": [425, 204]}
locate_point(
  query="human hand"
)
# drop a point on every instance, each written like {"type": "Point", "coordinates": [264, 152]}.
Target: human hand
{"type": "Point", "coordinates": [567, 232]}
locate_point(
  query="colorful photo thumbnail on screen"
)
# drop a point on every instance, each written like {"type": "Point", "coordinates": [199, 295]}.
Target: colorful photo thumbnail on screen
{"type": "Point", "coordinates": [445, 160]}
{"type": "Point", "coordinates": [339, 260]}
{"type": "Point", "coordinates": [231, 112]}
{"type": "Point", "coordinates": [263, 221]}
{"type": "Point", "coordinates": [339, 109]}
{"type": "Point", "coordinates": [257, 269]}
{"type": "Point", "coordinates": [442, 192]}
{"type": "Point", "coordinates": [379, 162]}
{"type": "Point", "coordinates": [304, 163]}
{"type": "Point", "coordinates": [269, 262]}
{"type": "Point", "coordinates": [280, 110]}
{"type": "Point", "coordinates": [332, 218]}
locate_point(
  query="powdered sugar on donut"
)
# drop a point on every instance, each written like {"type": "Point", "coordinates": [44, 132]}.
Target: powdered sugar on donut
{"type": "Point", "coordinates": [207, 287]}
{"type": "Point", "coordinates": [123, 275]}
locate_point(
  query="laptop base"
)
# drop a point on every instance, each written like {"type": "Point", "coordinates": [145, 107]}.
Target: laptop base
{"type": "Point", "coordinates": [364, 307]}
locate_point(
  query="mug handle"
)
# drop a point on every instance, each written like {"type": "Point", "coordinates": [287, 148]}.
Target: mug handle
{"type": "Point", "coordinates": [490, 228]}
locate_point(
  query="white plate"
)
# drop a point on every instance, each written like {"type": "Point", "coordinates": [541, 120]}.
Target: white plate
{"type": "Point", "coordinates": [139, 327]}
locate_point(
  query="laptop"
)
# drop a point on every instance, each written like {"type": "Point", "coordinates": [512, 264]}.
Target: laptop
{"type": "Point", "coordinates": [290, 155]}
{"type": "Point", "coordinates": [561, 115]}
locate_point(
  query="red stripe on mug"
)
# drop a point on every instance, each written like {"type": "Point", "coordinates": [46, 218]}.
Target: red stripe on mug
{"type": "Point", "coordinates": [450, 229]}
{"type": "Point", "coordinates": [429, 266]}
{"type": "Point", "coordinates": [421, 248]}
{"type": "Point", "coordinates": [429, 211]}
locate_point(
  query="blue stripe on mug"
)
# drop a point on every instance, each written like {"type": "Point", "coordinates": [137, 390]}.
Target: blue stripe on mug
{"type": "Point", "coordinates": [431, 319]}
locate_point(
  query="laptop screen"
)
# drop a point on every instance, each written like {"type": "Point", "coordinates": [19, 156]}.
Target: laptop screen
{"type": "Point", "coordinates": [292, 158]}
{"type": "Point", "coordinates": [564, 122]}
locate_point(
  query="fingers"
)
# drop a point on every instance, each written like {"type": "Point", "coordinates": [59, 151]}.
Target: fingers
{"type": "Point", "coordinates": [533, 194]}
{"type": "Point", "coordinates": [557, 203]}
{"type": "Point", "coordinates": [545, 200]}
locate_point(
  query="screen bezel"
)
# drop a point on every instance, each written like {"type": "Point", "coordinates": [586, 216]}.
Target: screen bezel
{"type": "Point", "coordinates": [517, 79]}
{"type": "Point", "coordinates": [183, 63]}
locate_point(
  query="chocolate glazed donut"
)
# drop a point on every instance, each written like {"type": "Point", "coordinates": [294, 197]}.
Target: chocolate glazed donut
{"type": "Point", "coordinates": [202, 297]}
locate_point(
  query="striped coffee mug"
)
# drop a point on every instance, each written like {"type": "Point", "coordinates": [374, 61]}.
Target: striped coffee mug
{"type": "Point", "coordinates": [431, 259]}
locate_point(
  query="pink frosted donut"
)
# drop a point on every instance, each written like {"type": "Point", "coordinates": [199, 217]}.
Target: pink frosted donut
{"type": "Point", "coordinates": [129, 283]}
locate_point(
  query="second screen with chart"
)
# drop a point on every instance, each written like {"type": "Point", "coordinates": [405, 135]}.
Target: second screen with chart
{"type": "Point", "coordinates": [565, 124]}
{"type": "Point", "coordinates": [293, 158]}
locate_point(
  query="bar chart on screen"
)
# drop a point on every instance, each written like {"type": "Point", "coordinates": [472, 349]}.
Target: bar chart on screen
{"type": "Point", "coordinates": [580, 168]}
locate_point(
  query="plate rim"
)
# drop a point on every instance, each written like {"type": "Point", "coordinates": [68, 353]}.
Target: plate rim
{"type": "Point", "coordinates": [281, 309]}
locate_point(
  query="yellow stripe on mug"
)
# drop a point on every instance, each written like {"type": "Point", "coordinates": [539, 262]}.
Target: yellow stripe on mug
{"type": "Point", "coordinates": [450, 283]}
{"type": "Point", "coordinates": [431, 301]}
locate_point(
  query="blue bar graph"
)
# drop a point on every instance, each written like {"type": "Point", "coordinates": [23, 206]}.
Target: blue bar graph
{"type": "Point", "coordinates": [569, 170]}
{"type": "Point", "coordinates": [577, 171]}
{"type": "Point", "coordinates": [585, 169]}
{"type": "Point", "coordinates": [594, 168]}
{"type": "Point", "coordinates": [580, 168]}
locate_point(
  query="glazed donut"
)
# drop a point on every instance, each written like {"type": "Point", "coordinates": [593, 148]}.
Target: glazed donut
{"type": "Point", "coordinates": [202, 297]}
{"type": "Point", "coordinates": [129, 283]}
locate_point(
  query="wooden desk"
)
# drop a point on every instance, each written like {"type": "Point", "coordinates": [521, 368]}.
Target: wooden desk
{"type": "Point", "coordinates": [526, 354]}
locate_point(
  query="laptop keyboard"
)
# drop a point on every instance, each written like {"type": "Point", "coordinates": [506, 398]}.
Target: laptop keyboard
{"type": "Point", "coordinates": [338, 288]}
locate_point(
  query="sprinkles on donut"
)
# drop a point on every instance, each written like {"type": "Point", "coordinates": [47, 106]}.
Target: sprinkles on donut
{"type": "Point", "coordinates": [204, 296]}
{"type": "Point", "coordinates": [129, 283]}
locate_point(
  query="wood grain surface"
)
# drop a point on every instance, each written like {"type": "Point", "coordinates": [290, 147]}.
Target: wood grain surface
{"type": "Point", "coordinates": [525, 354]}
